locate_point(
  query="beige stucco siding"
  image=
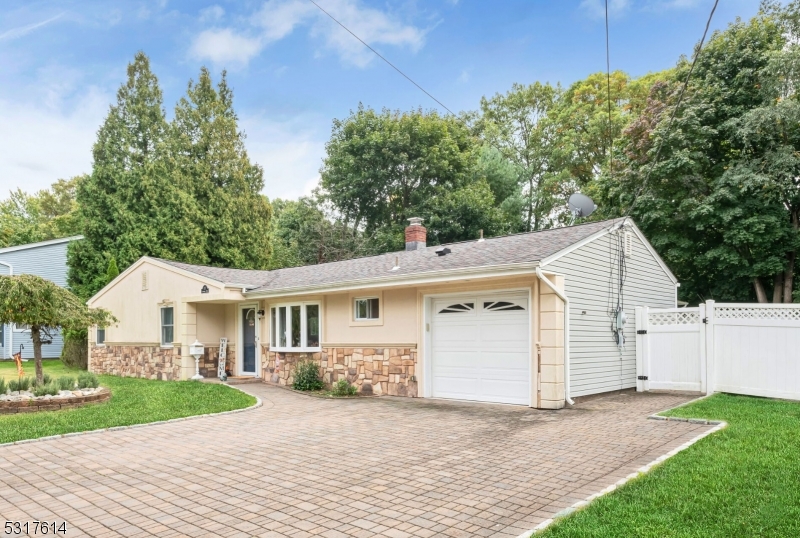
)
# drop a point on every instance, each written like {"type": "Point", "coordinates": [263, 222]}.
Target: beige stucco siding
{"type": "Point", "coordinates": [138, 310]}
{"type": "Point", "coordinates": [398, 322]}
{"type": "Point", "coordinates": [211, 323]}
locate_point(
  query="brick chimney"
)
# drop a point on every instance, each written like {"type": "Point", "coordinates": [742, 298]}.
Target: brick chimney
{"type": "Point", "coordinates": [416, 234]}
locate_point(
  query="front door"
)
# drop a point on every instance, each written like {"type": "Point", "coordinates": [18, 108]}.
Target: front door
{"type": "Point", "coordinates": [249, 320]}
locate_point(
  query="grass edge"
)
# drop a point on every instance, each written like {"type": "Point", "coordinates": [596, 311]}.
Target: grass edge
{"type": "Point", "coordinates": [256, 405]}
{"type": "Point", "coordinates": [641, 471]}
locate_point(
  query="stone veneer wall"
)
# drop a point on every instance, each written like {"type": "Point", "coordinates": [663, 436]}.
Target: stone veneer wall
{"type": "Point", "coordinates": [209, 362]}
{"type": "Point", "coordinates": [377, 371]}
{"type": "Point", "coordinates": [150, 362]}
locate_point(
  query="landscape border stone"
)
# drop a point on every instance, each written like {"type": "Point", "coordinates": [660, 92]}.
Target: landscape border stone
{"type": "Point", "coordinates": [256, 405]}
{"type": "Point", "coordinates": [718, 425]}
{"type": "Point", "coordinates": [34, 405]}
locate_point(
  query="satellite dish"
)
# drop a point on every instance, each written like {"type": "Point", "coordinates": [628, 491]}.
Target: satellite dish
{"type": "Point", "coordinates": [581, 205]}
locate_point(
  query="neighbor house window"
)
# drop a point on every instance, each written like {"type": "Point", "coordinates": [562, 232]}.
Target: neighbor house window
{"type": "Point", "coordinates": [295, 327]}
{"type": "Point", "coordinates": [367, 308]}
{"type": "Point", "coordinates": [101, 336]}
{"type": "Point", "coordinates": [167, 325]}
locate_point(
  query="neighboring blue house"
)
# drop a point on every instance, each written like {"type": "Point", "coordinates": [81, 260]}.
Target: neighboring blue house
{"type": "Point", "coordinates": [47, 259]}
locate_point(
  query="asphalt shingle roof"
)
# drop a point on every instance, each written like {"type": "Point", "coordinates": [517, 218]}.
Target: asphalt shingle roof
{"type": "Point", "coordinates": [492, 252]}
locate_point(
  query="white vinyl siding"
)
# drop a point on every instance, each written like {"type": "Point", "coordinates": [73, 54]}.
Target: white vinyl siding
{"type": "Point", "coordinates": [595, 364]}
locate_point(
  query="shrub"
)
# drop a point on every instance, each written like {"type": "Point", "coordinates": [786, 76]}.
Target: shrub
{"type": "Point", "coordinates": [45, 389]}
{"type": "Point", "coordinates": [344, 388]}
{"type": "Point", "coordinates": [3, 386]}
{"type": "Point", "coordinates": [22, 383]}
{"type": "Point", "coordinates": [88, 380]}
{"type": "Point", "coordinates": [75, 352]}
{"type": "Point", "coordinates": [306, 376]}
{"type": "Point", "coordinates": [66, 382]}
{"type": "Point", "coordinates": [46, 380]}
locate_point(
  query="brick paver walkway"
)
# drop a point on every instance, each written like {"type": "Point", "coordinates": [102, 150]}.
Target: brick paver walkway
{"type": "Point", "coordinates": [301, 466]}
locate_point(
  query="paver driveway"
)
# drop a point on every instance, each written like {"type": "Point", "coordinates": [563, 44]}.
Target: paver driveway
{"type": "Point", "coordinates": [302, 466]}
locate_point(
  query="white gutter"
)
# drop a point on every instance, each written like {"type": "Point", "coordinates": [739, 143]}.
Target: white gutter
{"type": "Point", "coordinates": [3, 327]}
{"type": "Point", "coordinates": [564, 298]}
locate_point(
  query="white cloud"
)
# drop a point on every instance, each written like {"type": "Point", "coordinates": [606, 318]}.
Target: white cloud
{"type": "Point", "coordinates": [290, 154]}
{"type": "Point", "coordinates": [279, 18]}
{"type": "Point", "coordinates": [464, 77]}
{"type": "Point", "coordinates": [211, 13]}
{"type": "Point", "coordinates": [44, 140]}
{"type": "Point", "coordinates": [20, 31]}
{"type": "Point", "coordinates": [224, 46]}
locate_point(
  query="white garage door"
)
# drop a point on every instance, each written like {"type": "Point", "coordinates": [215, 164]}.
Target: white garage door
{"type": "Point", "coordinates": [481, 348]}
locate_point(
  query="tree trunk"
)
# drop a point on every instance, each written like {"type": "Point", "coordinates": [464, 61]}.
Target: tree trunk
{"type": "Point", "coordinates": [788, 279]}
{"type": "Point", "coordinates": [777, 288]}
{"type": "Point", "coordinates": [761, 294]}
{"type": "Point", "coordinates": [36, 336]}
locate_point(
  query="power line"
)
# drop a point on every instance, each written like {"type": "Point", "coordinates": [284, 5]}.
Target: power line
{"type": "Point", "coordinates": [674, 111]}
{"type": "Point", "coordinates": [382, 58]}
{"type": "Point", "coordinates": [608, 91]}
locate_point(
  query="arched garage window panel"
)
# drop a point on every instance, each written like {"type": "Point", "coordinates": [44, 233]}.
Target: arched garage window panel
{"type": "Point", "coordinates": [458, 308]}
{"type": "Point", "coordinates": [502, 306]}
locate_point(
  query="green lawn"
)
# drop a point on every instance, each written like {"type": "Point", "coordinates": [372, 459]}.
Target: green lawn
{"type": "Point", "coordinates": [133, 401]}
{"type": "Point", "coordinates": [741, 481]}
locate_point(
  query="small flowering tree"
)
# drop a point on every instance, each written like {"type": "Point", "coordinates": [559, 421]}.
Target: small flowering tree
{"type": "Point", "coordinates": [45, 307]}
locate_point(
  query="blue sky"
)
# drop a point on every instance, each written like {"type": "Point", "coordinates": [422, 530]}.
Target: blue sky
{"type": "Point", "coordinates": [293, 70]}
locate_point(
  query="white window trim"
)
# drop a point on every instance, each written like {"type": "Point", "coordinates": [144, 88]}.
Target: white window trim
{"type": "Point", "coordinates": [161, 326]}
{"type": "Point", "coordinates": [15, 328]}
{"type": "Point", "coordinates": [303, 328]}
{"type": "Point", "coordinates": [353, 322]}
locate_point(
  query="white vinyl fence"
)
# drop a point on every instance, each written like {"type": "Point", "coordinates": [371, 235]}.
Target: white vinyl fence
{"type": "Point", "coordinates": [749, 349]}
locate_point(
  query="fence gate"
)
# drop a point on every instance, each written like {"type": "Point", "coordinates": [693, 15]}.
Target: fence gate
{"type": "Point", "coordinates": [751, 349]}
{"type": "Point", "coordinates": [670, 350]}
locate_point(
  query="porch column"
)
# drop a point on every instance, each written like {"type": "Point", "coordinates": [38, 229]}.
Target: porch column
{"type": "Point", "coordinates": [551, 328]}
{"type": "Point", "coordinates": [188, 334]}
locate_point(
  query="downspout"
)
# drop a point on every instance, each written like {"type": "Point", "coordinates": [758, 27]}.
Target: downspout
{"type": "Point", "coordinates": [3, 327]}
{"type": "Point", "coordinates": [564, 298]}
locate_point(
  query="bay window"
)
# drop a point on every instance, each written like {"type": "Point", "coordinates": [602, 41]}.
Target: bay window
{"type": "Point", "coordinates": [295, 327]}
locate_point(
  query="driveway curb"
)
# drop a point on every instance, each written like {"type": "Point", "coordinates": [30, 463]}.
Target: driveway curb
{"type": "Point", "coordinates": [256, 405]}
{"type": "Point", "coordinates": [641, 471]}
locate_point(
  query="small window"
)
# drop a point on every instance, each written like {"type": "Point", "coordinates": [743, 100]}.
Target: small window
{"type": "Point", "coordinates": [167, 326]}
{"type": "Point", "coordinates": [458, 307]}
{"type": "Point", "coordinates": [367, 308]}
{"type": "Point", "coordinates": [282, 326]}
{"type": "Point", "coordinates": [2, 335]}
{"type": "Point", "coordinates": [22, 328]}
{"type": "Point", "coordinates": [101, 336]}
{"type": "Point", "coordinates": [501, 305]}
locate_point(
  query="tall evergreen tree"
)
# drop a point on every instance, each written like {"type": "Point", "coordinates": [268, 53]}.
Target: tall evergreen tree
{"type": "Point", "coordinates": [128, 205]}
{"type": "Point", "coordinates": [207, 154]}
{"type": "Point", "coordinates": [184, 190]}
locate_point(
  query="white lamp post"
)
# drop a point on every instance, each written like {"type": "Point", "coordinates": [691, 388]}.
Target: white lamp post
{"type": "Point", "coordinates": [196, 351]}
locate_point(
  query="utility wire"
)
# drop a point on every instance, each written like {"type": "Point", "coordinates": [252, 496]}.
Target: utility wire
{"type": "Point", "coordinates": [382, 58]}
{"type": "Point", "coordinates": [674, 112]}
{"type": "Point", "coordinates": [608, 91]}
